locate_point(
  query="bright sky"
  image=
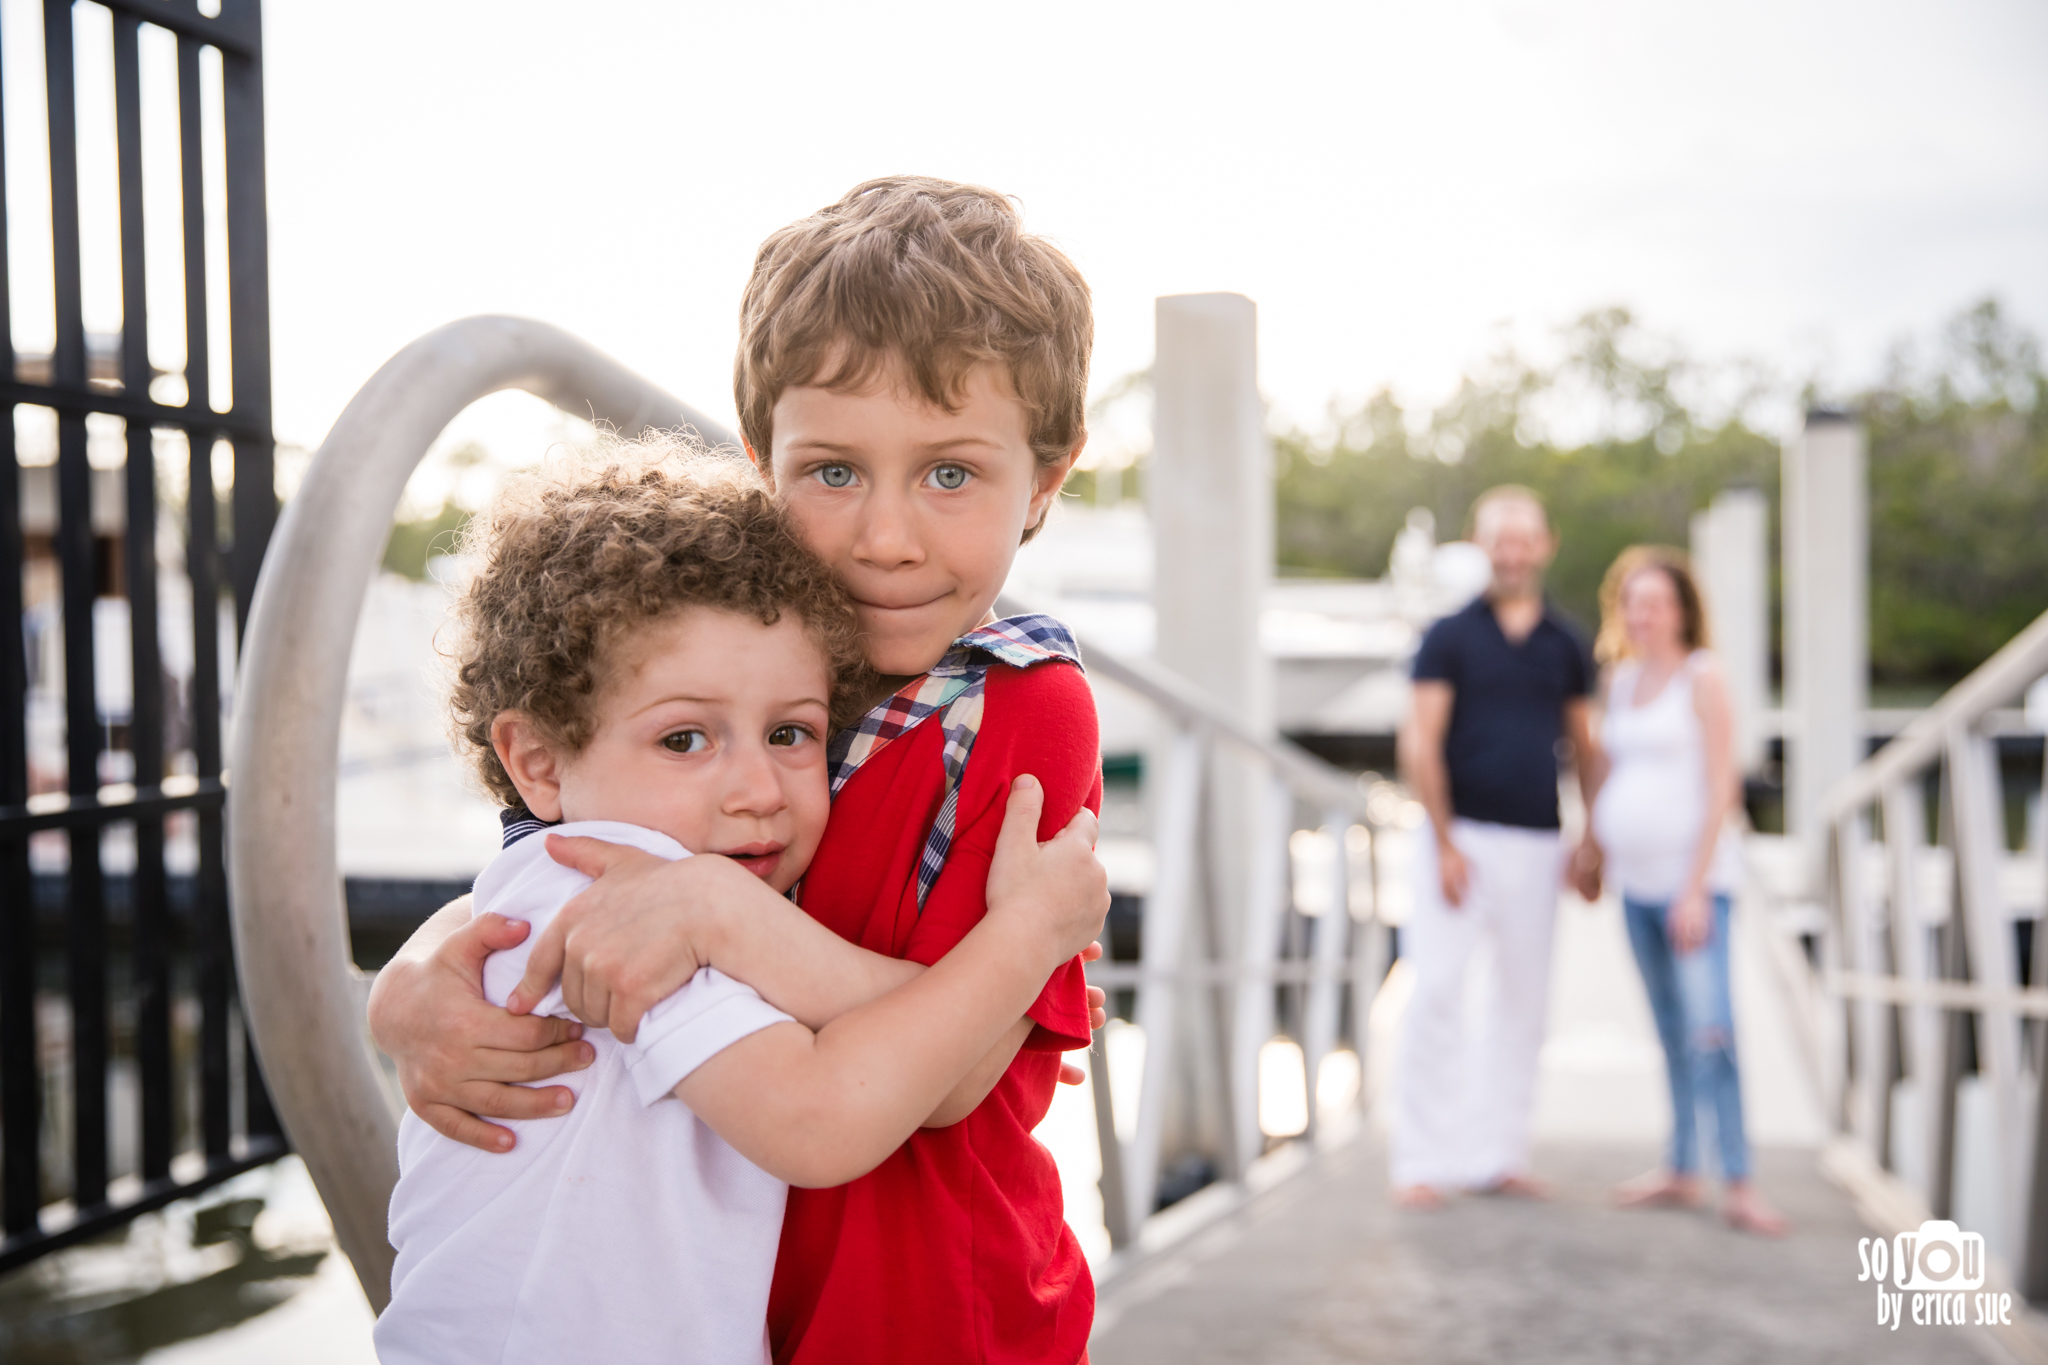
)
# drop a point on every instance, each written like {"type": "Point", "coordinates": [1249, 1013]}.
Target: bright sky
{"type": "Point", "coordinates": [1397, 185]}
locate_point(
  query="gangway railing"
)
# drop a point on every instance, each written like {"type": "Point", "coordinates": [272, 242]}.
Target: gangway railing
{"type": "Point", "coordinates": [1919, 966]}
{"type": "Point", "coordinates": [1214, 957]}
{"type": "Point", "coordinates": [304, 998]}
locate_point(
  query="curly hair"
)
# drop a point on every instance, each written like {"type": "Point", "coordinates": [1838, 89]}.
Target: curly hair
{"type": "Point", "coordinates": [574, 555]}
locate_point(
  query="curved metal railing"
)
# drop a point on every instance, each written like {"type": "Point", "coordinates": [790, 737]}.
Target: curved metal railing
{"type": "Point", "coordinates": [301, 993]}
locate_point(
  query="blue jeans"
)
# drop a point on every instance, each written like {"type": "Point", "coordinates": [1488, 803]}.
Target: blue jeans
{"type": "Point", "coordinates": [1696, 1023]}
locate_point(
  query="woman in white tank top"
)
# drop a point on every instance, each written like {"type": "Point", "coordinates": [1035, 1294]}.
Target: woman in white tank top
{"type": "Point", "coordinates": [1662, 823]}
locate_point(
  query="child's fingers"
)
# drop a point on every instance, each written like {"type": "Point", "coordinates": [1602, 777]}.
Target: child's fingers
{"type": "Point", "coordinates": [587, 994]}
{"type": "Point", "coordinates": [464, 950]}
{"type": "Point", "coordinates": [497, 1070]}
{"type": "Point", "coordinates": [591, 857]}
{"type": "Point", "coordinates": [503, 1102]}
{"type": "Point", "coordinates": [1093, 953]}
{"type": "Point", "coordinates": [1084, 826]}
{"type": "Point", "coordinates": [1019, 836]}
{"type": "Point", "coordinates": [572, 990]}
{"type": "Point", "coordinates": [466, 1129]}
{"type": "Point", "coordinates": [487, 934]}
{"type": "Point", "coordinates": [543, 966]}
{"type": "Point", "coordinates": [1071, 1074]}
{"type": "Point", "coordinates": [525, 1033]}
{"type": "Point", "coordinates": [625, 1018]}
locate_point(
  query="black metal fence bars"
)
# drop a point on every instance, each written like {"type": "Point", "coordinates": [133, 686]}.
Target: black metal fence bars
{"type": "Point", "coordinates": [133, 517]}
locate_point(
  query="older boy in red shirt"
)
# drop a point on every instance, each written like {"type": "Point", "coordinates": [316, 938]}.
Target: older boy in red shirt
{"type": "Point", "coordinates": [912, 377]}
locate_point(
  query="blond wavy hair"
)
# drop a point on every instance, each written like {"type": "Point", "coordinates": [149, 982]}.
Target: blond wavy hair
{"type": "Point", "coordinates": [573, 556]}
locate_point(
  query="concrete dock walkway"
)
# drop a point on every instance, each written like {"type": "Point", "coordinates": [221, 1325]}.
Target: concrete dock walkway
{"type": "Point", "coordinates": [1321, 1269]}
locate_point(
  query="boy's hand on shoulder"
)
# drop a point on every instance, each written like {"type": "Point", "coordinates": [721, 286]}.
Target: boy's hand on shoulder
{"type": "Point", "coordinates": [462, 1060]}
{"type": "Point", "coordinates": [1058, 888]}
{"type": "Point", "coordinates": [630, 940]}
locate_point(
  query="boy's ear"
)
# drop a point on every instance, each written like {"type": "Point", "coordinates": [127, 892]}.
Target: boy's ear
{"type": "Point", "coordinates": [1046, 486]}
{"type": "Point", "coordinates": [530, 761]}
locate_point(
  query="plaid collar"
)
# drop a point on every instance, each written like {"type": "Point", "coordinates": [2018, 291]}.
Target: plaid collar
{"type": "Point", "coordinates": [953, 691]}
{"type": "Point", "coordinates": [1019, 641]}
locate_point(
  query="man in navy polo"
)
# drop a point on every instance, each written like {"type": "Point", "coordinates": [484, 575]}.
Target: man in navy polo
{"type": "Point", "coordinates": [1501, 688]}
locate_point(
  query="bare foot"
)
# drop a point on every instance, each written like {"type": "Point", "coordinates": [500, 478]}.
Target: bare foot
{"type": "Point", "coordinates": [1418, 1198]}
{"type": "Point", "coordinates": [1745, 1210]}
{"type": "Point", "coordinates": [1658, 1190]}
{"type": "Point", "coordinates": [1516, 1187]}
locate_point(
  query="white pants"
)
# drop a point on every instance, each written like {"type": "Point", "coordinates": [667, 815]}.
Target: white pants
{"type": "Point", "coordinates": [1462, 1095]}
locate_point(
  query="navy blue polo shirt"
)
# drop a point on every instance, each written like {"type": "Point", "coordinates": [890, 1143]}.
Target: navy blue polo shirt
{"type": "Point", "coordinates": [1507, 710]}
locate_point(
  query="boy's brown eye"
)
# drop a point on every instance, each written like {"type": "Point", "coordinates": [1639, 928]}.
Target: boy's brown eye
{"type": "Point", "coordinates": [785, 735]}
{"type": "Point", "coordinates": [686, 742]}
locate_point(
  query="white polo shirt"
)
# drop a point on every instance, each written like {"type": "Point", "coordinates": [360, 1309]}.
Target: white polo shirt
{"type": "Point", "coordinates": [625, 1231]}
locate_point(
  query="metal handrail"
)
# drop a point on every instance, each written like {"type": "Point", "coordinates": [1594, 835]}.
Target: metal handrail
{"type": "Point", "coordinates": [1180, 985]}
{"type": "Point", "coordinates": [302, 995]}
{"type": "Point", "coordinates": [1880, 953]}
{"type": "Point", "coordinates": [1187, 705]}
{"type": "Point", "coordinates": [1994, 684]}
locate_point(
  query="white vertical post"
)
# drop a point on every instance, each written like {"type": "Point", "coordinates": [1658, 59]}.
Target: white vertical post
{"type": "Point", "coordinates": [1333, 937]}
{"type": "Point", "coordinates": [1210, 489]}
{"type": "Point", "coordinates": [1730, 551]}
{"type": "Point", "coordinates": [1827, 615]}
{"type": "Point", "coordinates": [1161, 959]}
{"type": "Point", "coordinates": [1863, 931]}
{"type": "Point", "coordinates": [1905, 837]}
{"type": "Point", "coordinates": [1258, 947]}
{"type": "Point", "coordinates": [1979, 834]}
{"type": "Point", "coordinates": [1369, 948]}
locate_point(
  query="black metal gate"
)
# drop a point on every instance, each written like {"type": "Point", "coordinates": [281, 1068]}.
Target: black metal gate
{"type": "Point", "coordinates": [125, 1080]}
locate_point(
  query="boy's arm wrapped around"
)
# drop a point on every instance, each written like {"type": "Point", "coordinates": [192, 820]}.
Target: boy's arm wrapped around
{"type": "Point", "coordinates": [697, 912]}
{"type": "Point", "coordinates": [821, 1109]}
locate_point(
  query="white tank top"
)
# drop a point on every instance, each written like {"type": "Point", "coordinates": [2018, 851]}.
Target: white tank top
{"type": "Point", "coordinates": [1647, 817]}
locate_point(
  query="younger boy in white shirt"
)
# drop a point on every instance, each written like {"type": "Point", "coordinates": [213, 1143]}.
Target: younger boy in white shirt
{"type": "Point", "coordinates": [651, 656]}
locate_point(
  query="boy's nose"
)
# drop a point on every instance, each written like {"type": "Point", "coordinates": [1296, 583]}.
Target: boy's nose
{"type": "Point", "coordinates": [756, 783]}
{"type": "Point", "coordinates": [888, 539]}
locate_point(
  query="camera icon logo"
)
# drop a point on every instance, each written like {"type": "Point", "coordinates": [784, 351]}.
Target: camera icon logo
{"type": "Point", "coordinates": [1940, 1257]}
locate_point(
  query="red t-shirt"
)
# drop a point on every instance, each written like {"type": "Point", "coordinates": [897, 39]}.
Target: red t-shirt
{"type": "Point", "coordinates": [956, 1248]}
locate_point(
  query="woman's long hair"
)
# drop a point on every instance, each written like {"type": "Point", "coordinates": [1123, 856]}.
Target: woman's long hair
{"type": "Point", "coordinates": [1675, 565]}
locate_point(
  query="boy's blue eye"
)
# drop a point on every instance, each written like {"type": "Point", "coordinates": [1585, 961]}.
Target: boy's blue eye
{"type": "Point", "coordinates": [686, 742]}
{"type": "Point", "coordinates": [949, 477]}
{"type": "Point", "coordinates": [836, 476]}
{"type": "Point", "coordinates": [788, 735]}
